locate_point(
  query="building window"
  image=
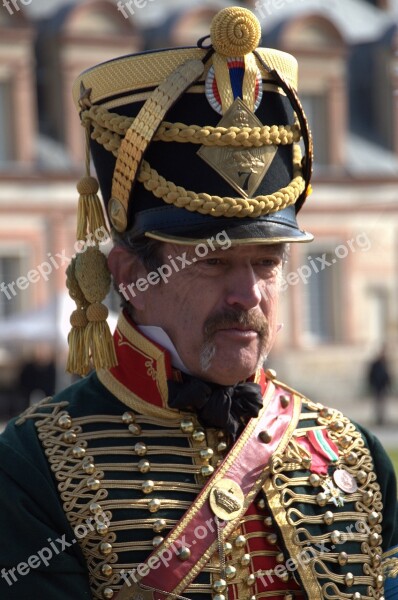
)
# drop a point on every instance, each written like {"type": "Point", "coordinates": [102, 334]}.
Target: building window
{"type": "Point", "coordinates": [315, 108]}
{"type": "Point", "coordinates": [322, 299]}
{"type": "Point", "coordinates": [6, 140]}
{"type": "Point", "coordinates": [10, 296]}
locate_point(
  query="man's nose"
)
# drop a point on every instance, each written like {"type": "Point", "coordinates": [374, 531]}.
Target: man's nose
{"type": "Point", "coordinates": [243, 289]}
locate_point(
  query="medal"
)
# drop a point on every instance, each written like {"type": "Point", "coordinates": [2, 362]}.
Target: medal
{"type": "Point", "coordinates": [333, 493]}
{"type": "Point", "coordinates": [345, 481]}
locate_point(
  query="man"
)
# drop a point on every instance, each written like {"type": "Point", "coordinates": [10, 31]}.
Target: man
{"type": "Point", "coordinates": [180, 469]}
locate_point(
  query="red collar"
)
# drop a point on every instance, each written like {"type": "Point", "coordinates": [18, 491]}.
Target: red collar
{"type": "Point", "coordinates": [140, 378]}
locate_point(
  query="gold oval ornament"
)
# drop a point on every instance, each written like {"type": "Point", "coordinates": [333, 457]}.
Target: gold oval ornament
{"type": "Point", "coordinates": [117, 215]}
{"type": "Point", "coordinates": [226, 499]}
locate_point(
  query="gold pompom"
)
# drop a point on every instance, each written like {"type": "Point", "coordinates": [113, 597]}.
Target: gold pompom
{"type": "Point", "coordinates": [97, 312]}
{"type": "Point", "coordinates": [87, 185]}
{"type": "Point", "coordinates": [235, 31]}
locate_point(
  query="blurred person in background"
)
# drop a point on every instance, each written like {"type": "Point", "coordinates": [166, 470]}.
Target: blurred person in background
{"type": "Point", "coordinates": [379, 381]}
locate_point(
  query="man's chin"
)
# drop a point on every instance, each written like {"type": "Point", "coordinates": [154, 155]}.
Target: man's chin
{"type": "Point", "coordinates": [232, 368]}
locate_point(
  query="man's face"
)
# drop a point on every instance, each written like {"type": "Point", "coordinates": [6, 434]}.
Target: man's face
{"type": "Point", "coordinates": [220, 311]}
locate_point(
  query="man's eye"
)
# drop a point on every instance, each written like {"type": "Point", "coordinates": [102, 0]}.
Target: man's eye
{"type": "Point", "coordinates": [212, 261]}
{"type": "Point", "coordinates": [268, 262]}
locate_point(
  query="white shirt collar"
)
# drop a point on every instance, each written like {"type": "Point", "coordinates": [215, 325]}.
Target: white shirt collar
{"type": "Point", "coordinates": [158, 335]}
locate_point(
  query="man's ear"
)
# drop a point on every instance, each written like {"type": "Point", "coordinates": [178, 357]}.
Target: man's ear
{"type": "Point", "coordinates": [126, 268]}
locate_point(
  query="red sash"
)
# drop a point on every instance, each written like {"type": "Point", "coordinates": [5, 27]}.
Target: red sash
{"type": "Point", "coordinates": [189, 546]}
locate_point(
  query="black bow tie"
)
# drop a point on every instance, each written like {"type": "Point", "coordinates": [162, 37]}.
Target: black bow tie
{"type": "Point", "coordinates": [218, 406]}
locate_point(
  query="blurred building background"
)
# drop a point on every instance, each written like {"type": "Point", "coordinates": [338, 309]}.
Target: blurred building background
{"type": "Point", "coordinates": [340, 305]}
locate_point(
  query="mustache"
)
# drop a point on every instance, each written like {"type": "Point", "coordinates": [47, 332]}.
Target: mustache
{"type": "Point", "coordinates": [232, 317]}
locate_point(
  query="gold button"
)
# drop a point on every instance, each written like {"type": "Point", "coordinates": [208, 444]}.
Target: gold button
{"type": "Point", "coordinates": [322, 499]}
{"type": "Point", "coordinates": [144, 466]}
{"type": "Point", "coordinates": [251, 580]}
{"type": "Point", "coordinates": [245, 560]}
{"type": "Point", "coordinates": [65, 422]}
{"type": "Point", "coordinates": [361, 476]}
{"type": "Point", "coordinates": [280, 558]}
{"type": "Point", "coordinates": [69, 437]}
{"type": "Point", "coordinates": [187, 426]}
{"type": "Point", "coordinates": [198, 435]}
{"type": "Point", "coordinates": [268, 521]}
{"type": "Point", "coordinates": [157, 540]}
{"type": "Point", "coordinates": [373, 518]}
{"type": "Point", "coordinates": [220, 585]}
{"type": "Point", "coordinates": [101, 528]}
{"type": "Point", "coordinates": [367, 498]}
{"type": "Point", "coordinates": [148, 486]}
{"type": "Point", "coordinates": [128, 418]}
{"type": "Point", "coordinates": [106, 570]}
{"type": "Point", "coordinates": [227, 548]}
{"type": "Point", "coordinates": [107, 593]}
{"type": "Point", "coordinates": [105, 548]}
{"type": "Point", "coordinates": [88, 466]}
{"type": "Point", "coordinates": [376, 562]}
{"type": "Point", "coordinates": [140, 449]}
{"type": "Point", "coordinates": [349, 579]}
{"type": "Point", "coordinates": [374, 539]}
{"type": "Point", "coordinates": [315, 480]}
{"type": "Point", "coordinates": [342, 558]}
{"type": "Point", "coordinates": [230, 572]}
{"type": "Point", "coordinates": [272, 538]}
{"type": "Point", "coordinates": [351, 458]}
{"type": "Point", "coordinates": [159, 525]}
{"type": "Point", "coordinates": [337, 425]}
{"type": "Point", "coordinates": [345, 441]}
{"type": "Point", "coordinates": [93, 484]}
{"type": "Point", "coordinates": [379, 581]}
{"type": "Point", "coordinates": [134, 429]}
{"type": "Point", "coordinates": [261, 504]}
{"type": "Point", "coordinates": [284, 400]}
{"type": "Point", "coordinates": [328, 517]}
{"type": "Point", "coordinates": [95, 508]}
{"type": "Point", "coordinates": [183, 553]}
{"type": "Point", "coordinates": [219, 597]}
{"type": "Point", "coordinates": [207, 470]}
{"type": "Point", "coordinates": [206, 454]}
{"type": "Point", "coordinates": [240, 541]}
{"type": "Point", "coordinates": [222, 446]}
{"type": "Point", "coordinates": [357, 596]}
{"type": "Point", "coordinates": [326, 413]}
{"type": "Point", "coordinates": [154, 505]}
{"type": "Point", "coordinates": [265, 437]}
{"type": "Point", "coordinates": [335, 536]}
{"type": "Point", "coordinates": [78, 452]}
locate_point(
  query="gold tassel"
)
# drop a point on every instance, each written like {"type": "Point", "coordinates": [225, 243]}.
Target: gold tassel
{"type": "Point", "coordinates": [94, 280]}
{"type": "Point", "coordinates": [88, 280]}
{"type": "Point", "coordinates": [90, 216]}
{"type": "Point", "coordinates": [78, 357]}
